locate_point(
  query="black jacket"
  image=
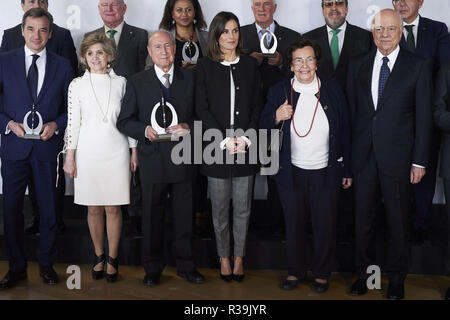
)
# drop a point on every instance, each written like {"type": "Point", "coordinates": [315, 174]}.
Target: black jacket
{"type": "Point", "coordinates": [213, 107]}
{"type": "Point", "coordinates": [398, 132]}
{"type": "Point", "coordinates": [142, 93]}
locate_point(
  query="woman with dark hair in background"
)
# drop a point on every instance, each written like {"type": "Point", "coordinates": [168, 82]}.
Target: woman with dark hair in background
{"type": "Point", "coordinates": [184, 18]}
{"type": "Point", "coordinates": [228, 99]}
{"type": "Point", "coordinates": [316, 144]}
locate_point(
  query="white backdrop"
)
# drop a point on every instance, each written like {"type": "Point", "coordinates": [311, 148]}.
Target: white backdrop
{"type": "Point", "coordinates": [81, 16]}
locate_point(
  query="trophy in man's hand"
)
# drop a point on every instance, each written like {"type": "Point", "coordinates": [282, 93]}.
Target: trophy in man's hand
{"type": "Point", "coordinates": [269, 44]}
{"type": "Point", "coordinates": [162, 135]}
{"type": "Point", "coordinates": [33, 132]}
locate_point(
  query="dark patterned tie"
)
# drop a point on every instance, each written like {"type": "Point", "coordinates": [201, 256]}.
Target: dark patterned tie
{"type": "Point", "coordinates": [33, 78]}
{"type": "Point", "coordinates": [410, 41]}
{"type": "Point", "coordinates": [384, 75]}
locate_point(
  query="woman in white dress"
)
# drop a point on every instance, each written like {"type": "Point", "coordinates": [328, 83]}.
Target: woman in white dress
{"type": "Point", "coordinates": [97, 154]}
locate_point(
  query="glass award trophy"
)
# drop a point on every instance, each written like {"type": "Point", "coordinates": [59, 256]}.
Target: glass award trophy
{"type": "Point", "coordinates": [162, 135]}
{"type": "Point", "coordinates": [268, 49]}
{"type": "Point", "coordinates": [33, 132]}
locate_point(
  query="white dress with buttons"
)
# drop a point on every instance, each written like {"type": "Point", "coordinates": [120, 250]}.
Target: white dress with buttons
{"type": "Point", "coordinates": [102, 153]}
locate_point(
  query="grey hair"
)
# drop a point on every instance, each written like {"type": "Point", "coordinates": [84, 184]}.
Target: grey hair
{"type": "Point", "coordinates": [170, 34]}
{"type": "Point", "coordinates": [274, 2]}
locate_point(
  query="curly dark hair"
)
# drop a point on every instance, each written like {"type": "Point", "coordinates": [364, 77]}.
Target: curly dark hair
{"type": "Point", "coordinates": [301, 43]}
{"type": "Point", "coordinates": [166, 21]}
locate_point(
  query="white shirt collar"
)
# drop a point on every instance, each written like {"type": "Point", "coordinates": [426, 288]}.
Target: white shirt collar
{"type": "Point", "coordinates": [415, 22]}
{"type": "Point", "coordinates": [229, 63]}
{"type": "Point", "coordinates": [42, 54]}
{"type": "Point", "coordinates": [118, 28]}
{"type": "Point", "coordinates": [271, 28]}
{"type": "Point", "coordinates": [343, 28]}
{"type": "Point", "coordinates": [392, 56]}
{"type": "Point", "coordinates": [160, 74]}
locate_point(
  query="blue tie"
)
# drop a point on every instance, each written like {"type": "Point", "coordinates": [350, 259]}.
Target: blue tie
{"type": "Point", "coordinates": [384, 75]}
{"type": "Point", "coordinates": [33, 77]}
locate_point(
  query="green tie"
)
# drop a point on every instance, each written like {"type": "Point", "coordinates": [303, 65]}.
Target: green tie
{"type": "Point", "coordinates": [335, 47]}
{"type": "Point", "coordinates": [410, 42]}
{"type": "Point", "coordinates": [112, 34]}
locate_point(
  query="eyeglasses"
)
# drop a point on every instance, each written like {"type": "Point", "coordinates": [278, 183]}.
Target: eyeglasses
{"type": "Point", "coordinates": [300, 61]}
{"type": "Point", "coordinates": [329, 3]}
{"type": "Point", "coordinates": [380, 29]}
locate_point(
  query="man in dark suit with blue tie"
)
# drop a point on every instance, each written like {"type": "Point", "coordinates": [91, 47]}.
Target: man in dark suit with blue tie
{"type": "Point", "coordinates": [430, 40]}
{"type": "Point", "coordinates": [389, 92]}
{"type": "Point", "coordinates": [33, 86]}
{"type": "Point", "coordinates": [61, 43]}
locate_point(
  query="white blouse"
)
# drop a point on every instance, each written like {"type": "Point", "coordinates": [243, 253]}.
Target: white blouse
{"type": "Point", "coordinates": [310, 152]}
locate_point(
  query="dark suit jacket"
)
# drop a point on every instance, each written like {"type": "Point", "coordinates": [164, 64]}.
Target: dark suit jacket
{"type": "Point", "coordinates": [51, 104]}
{"type": "Point", "coordinates": [270, 75]}
{"type": "Point", "coordinates": [433, 42]}
{"type": "Point", "coordinates": [142, 93]}
{"type": "Point", "coordinates": [399, 130]}
{"type": "Point", "coordinates": [213, 106]}
{"type": "Point", "coordinates": [357, 41]}
{"type": "Point", "coordinates": [442, 116]}
{"type": "Point", "coordinates": [334, 105]}
{"type": "Point", "coordinates": [60, 43]}
{"type": "Point", "coordinates": [131, 52]}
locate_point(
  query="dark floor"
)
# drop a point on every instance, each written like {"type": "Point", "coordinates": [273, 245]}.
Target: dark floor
{"type": "Point", "coordinates": [265, 249]}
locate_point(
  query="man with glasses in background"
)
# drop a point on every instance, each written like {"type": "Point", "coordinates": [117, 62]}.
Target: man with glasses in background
{"type": "Point", "coordinates": [430, 40]}
{"type": "Point", "coordinates": [389, 93]}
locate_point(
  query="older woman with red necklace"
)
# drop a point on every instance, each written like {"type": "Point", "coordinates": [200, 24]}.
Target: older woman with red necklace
{"type": "Point", "coordinates": [314, 161]}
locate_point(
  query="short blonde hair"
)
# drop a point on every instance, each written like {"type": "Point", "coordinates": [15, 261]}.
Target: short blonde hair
{"type": "Point", "coordinates": [95, 38]}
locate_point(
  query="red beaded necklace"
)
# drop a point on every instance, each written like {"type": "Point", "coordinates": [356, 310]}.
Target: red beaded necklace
{"type": "Point", "coordinates": [315, 110]}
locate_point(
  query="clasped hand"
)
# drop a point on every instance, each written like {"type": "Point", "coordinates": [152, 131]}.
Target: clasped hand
{"type": "Point", "coordinates": [236, 145]}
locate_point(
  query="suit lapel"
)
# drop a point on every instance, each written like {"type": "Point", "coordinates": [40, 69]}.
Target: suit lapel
{"type": "Point", "coordinates": [365, 76]}
{"type": "Point", "coordinates": [126, 38]}
{"type": "Point", "coordinates": [397, 75]}
{"type": "Point", "coordinates": [278, 33]}
{"type": "Point", "coordinates": [49, 75]}
{"type": "Point", "coordinates": [422, 36]}
{"type": "Point", "coordinates": [346, 46]}
{"type": "Point", "coordinates": [326, 53]}
{"type": "Point", "coordinates": [254, 40]}
{"type": "Point", "coordinates": [22, 74]}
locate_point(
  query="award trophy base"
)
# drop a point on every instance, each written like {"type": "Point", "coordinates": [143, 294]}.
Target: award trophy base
{"type": "Point", "coordinates": [268, 55]}
{"type": "Point", "coordinates": [166, 137]}
{"type": "Point", "coordinates": [32, 136]}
